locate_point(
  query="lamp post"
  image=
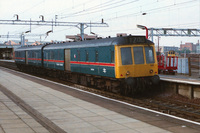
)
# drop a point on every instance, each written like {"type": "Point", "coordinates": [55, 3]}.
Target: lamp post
{"type": "Point", "coordinates": [143, 28]}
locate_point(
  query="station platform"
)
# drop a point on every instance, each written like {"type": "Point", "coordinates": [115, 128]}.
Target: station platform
{"type": "Point", "coordinates": [7, 60]}
{"type": "Point", "coordinates": [181, 79]}
{"type": "Point", "coordinates": [67, 113]}
{"type": "Point", "coordinates": [14, 120]}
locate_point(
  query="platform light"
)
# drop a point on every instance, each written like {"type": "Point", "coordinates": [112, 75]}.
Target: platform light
{"type": "Point", "coordinates": [144, 28]}
{"type": "Point", "coordinates": [41, 16]}
{"type": "Point", "coordinates": [28, 31]}
{"type": "Point", "coordinates": [47, 33]}
{"type": "Point", "coordinates": [17, 17]}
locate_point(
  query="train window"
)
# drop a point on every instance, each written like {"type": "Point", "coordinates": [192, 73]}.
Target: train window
{"type": "Point", "coordinates": [96, 56]}
{"type": "Point", "coordinates": [87, 55]}
{"type": "Point", "coordinates": [126, 56]}
{"type": "Point", "coordinates": [36, 55]}
{"type": "Point", "coordinates": [78, 59]}
{"type": "Point", "coordinates": [51, 54]}
{"type": "Point", "coordinates": [112, 57]}
{"type": "Point", "coordinates": [58, 54]}
{"type": "Point", "coordinates": [138, 55]}
{"type": "Point", "coordinates": [149, 55]}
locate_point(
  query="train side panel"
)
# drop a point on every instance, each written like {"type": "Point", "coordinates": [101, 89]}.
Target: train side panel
{"type": "Point", "coordinates": [94, 61]}
{"type": "Point", "coordinates": [54, 59]}
{"type": "Point", "coordinates": [20, 57]}
{"type": "Point", "coordinates": [106, 61]}
{"type": "Point", "coordinates": [34, 58]}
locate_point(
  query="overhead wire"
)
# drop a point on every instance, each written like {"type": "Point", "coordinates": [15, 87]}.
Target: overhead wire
{"type": "Point", "coordinates": [31, 8]}
{"type": "Point", "coordinates": [177, 5]}
{"type": "Point", "coordinates": [151, 10]}
{"type": "Point", "coordinates": [100, 9]}
{"type": "Point", "coordinates": [154, 9]}
{"type": "Point", "coordinates": [94, 7]}
{"type": "Point", "coordinates": [68, 9]}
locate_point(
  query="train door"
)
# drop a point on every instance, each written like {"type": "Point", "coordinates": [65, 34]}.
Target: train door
{"type": "Point", "coordinates": [26, 57]}
{"type": "Point", "coordinates": [67, 60]}
{"type": "Point", "coordinates": [47, 59]}
{"type": "Point", "coordinates": [36, 56]}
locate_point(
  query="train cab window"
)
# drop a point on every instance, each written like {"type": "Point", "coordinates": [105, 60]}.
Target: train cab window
{"type": "Point", "coordinates": [126, 56]}
{"type": "Point", "coordinates": [149, 55]}
{"type": "Point", "coordinates": [138, 55]}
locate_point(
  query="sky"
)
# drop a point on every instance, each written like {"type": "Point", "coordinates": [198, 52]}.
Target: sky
{"type": "Point", "coordinates": [122, 16]}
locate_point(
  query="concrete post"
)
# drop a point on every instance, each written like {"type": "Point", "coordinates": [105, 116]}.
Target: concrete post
{"type": "Point", "coordinates": [189, 66]}
{"type": "Point", "coordinates": [22, 39]}
{"type": "Point", "coordinates": [152, 34]}
{"type": "Point", "coordinates": [191, 92]}
{"type": "Point", "coordinates": [176, 88]}
{"type": "Point", "coordinates": [82, 30]}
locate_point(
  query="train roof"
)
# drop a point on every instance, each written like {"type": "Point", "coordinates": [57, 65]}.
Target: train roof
{"type": "Point", "coordinates": [101, 42]}
{"type": "Point", "coordinates": [91, 43]}
{"type": "Point", "coordinates": [30, 47]}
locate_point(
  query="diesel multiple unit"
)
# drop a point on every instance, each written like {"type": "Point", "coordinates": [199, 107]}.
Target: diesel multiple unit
{"type": "Point", "coordinates": [119, 64]}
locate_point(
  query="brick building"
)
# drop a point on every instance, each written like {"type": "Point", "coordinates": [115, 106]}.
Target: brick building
{"type": "Point", "coordinates": [78, 37]}
{"type": "Point", "coordinates": [192, 47]}
{"type": "Point", "coordinates": [164, 49]}
{"type": "Point", "coordinates": [189, 46]}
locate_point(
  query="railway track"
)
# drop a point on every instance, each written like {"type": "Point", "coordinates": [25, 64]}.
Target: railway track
{"type": "Point", "coordinates": [173, 106]}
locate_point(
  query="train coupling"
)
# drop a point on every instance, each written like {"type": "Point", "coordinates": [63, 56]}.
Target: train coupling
{"type": "Point", "coordinates": [155, 79]}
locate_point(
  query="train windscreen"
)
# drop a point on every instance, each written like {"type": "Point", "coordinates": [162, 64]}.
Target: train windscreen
{"type": "Point", "coordinates": [126, 56]}
{"type": "Point", "coordinates": [149, 55]}
{"type": "Point", "coordinates": [138, 55]}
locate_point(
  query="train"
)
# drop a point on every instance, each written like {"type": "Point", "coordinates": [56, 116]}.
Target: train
{"type": "Point", "coordinates": [168, 62]}
{"type": "Point", "coordinates": [124, 64]}
{"type": "Point", "coordinates": [171, 53]}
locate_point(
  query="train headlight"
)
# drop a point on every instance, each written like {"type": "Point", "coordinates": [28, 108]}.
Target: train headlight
{"type": "Point", "coordinates": [127, 73]}
{"type": "Point", "coordinates": [151, 71]}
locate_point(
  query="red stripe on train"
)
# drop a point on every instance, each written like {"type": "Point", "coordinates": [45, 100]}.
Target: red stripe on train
{"type": "Point", "coordinates": [92, 63]}
{"type": "Point", "coordinates": [60, 61]}
{"type": "Point", "coordinates": [20, 58]}
{"type": "Point", "coordinates": [34, 59]}
{"type": "Point", "coordinates": [73, 62]}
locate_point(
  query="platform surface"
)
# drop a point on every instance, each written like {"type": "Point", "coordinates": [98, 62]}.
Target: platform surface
{"type": "Point", "coordinates": [14, 120]}
{"type": "Point", "coordinates": [7, 60]}
{"type": "Point", "coordinates": [67, 112]}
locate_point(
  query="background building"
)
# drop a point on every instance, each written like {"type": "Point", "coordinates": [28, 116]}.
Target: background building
{"type": "Point", "coordinates": [78, 37]}
{"type": "Point", "coordinates": [164, 49]}
{"type": "Point", "coordinates": [198, 49]}
{"type": "Point", "coordinates": [190, 46]}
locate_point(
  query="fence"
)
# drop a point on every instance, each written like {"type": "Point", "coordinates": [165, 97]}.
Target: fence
{"type": "Point", "coordinates": [194, 65]}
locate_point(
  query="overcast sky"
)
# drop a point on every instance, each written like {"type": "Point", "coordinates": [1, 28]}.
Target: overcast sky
{"type": "Point", "coordinates": [122, 16]}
